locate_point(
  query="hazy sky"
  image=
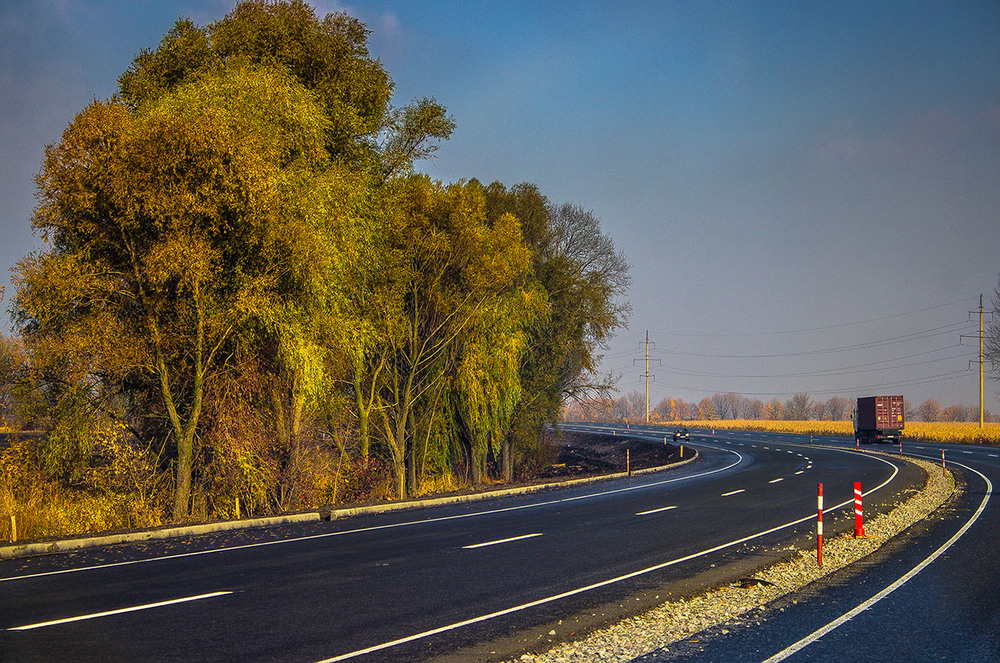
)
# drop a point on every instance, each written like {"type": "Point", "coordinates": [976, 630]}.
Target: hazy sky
{"type": "Point", "coordinates": [808, 193]}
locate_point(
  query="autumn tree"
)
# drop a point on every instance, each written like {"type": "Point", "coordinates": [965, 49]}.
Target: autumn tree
{"type": "Point", "coordinates": [168, 227]}
{"type": "Point", "coordinates": [585, 280]}
{"type": "Point", "coordinates": [457, 302]}
{"type": "Point", "coordinates": [798, 407]}
{"type": "Point", "coordinates": [12, 361]}
{"type": "Point", "coordinates": [773, 410]}
{"type": "Point", "coordinates": [238, 253]}
{"type": "Point", "coordinates": [753, 408]}
{"type": "Point", "coordinates": [673, 409]}
{"type": "Point", "coordinates": [955, 413]}
{"type": "Point", "coordinates": [837, 408]}
{"type": "Point", "coordinates": [706, 409]}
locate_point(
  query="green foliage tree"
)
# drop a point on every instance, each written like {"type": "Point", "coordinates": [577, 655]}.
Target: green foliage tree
{"type": "Point", "coordinates": [167, 225]}
{"type": "Point", "coordinates": [457, 281]}
{"type": "Point", "coordinates": [328, 56]}
{"type": "Point", "coordinates": [240, 259]}
{"type": "Point", "coordinates": [585, 281]}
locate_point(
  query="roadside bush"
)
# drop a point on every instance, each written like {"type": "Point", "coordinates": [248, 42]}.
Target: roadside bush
{"type": "Point", "coordinates": [116, 486]}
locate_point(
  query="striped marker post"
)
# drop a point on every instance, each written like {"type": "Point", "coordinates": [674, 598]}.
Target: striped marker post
{"type": "Point", "coordinates": [944, 472]}
{"type": "Point", "coordinates": [859, 520]}
{"type": "Point", "coordinates": [819, 526]}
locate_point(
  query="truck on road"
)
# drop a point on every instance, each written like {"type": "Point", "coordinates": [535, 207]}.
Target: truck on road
{"type": "Point", "coordinates": [878, 419]}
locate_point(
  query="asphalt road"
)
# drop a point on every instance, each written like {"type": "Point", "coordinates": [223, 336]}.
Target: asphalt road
{"type": "Point", "coordinates": [932, 596]}
{"type": "Point", "coordinates": [467, 582]}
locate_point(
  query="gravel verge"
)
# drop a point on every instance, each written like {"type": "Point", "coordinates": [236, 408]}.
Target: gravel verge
{"type": "Point", "coordinates": [673, 621]}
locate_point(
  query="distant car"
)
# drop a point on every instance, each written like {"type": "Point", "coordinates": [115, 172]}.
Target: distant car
{"type": "Point", "coordinates": [682, 434]}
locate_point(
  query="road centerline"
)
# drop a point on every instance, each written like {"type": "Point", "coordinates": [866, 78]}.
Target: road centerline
{"type": "Point", "coordinates": [500, 541]}
{"type": "Point", "coordinates": [119, 611]}
{"type": "Point", "coordinates": [651, 511]}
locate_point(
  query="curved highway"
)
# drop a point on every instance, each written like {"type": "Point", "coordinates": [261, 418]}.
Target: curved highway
{"type": "Point", "coordinates": [473, 581]}
{"type": "Point", "coordinates": [930, 596]}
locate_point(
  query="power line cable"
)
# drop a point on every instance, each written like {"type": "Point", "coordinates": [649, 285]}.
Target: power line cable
{"type": "Point", "coordinates": [829, 372]}
{"type": "Point", "coordinates": [905, 338]}
{"type": "Point", "coordinates": [813, 329]}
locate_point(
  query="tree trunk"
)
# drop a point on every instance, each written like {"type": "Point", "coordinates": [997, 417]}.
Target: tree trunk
{"type": "Point", "coordinates": [506, 460]}
{"type": "Point", "coordinates": [411, 457]}
{"type": "Point", "coordinates": [185, 466]}
{"type": "Point", "coordinates": [363, 412]}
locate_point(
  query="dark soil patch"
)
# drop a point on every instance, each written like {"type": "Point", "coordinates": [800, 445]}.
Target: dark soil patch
{"type": "Point", "coordinates": [585, 454]}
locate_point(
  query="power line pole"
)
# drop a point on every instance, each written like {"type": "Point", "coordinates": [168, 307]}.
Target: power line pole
{"type": "Point", "coordinates": [981, 362]}
{"type": "Point", "coordinates": [646, 375]}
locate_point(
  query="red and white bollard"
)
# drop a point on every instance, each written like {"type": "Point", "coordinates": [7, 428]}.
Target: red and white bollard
{"type": "Point", "coordinates": [819, 526]}
{"type": "Point", "coordinates": [944, 472]}
{"type": "Point", "coordinates": [859, 520]}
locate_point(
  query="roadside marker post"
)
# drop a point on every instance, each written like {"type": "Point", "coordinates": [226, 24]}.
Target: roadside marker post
{"type": "Point", "coordinates": [819, 526]}
{"type": "Point", "coordinates": [628, 462]}
{"type": "Point", "coordinates": [944, 472]}
{"type": "Point", "coordinates": [859, 520]}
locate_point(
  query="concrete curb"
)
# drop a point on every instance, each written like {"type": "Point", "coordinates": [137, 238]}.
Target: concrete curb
{"type": "Point", "coordinates": [505, 492]}
{"type": "Point", "coordinates": [64, 545]}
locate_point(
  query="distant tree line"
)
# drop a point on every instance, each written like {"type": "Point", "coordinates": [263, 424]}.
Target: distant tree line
{"type": "Point", "coordinates": [799, 407]}
{"type": "Point", "coordinates": [250, 302]}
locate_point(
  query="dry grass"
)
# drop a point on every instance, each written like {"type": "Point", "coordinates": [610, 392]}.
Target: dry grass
{"type": "Point", "coordinates": [947, 432]}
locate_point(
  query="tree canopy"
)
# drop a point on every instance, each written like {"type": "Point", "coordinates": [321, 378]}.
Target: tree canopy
{"type": "Point", "coordinates": [249, 287]}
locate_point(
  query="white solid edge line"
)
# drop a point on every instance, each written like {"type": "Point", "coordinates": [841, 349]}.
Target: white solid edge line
{"type": "Point", "coordinates": [597, 585]}
{"type": "Point", "coordinates": [846, 617]}
{"type": "Point", "coordinates": [119, 611]}
{"type": "Point", "coordinates": [499, 541]}
{"type": "Point", "coordinates": [652, 511]}
{"type": "Point", "coordinates": [407, 523]}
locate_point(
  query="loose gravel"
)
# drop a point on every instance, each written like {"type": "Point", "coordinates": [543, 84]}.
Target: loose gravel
{"type": "Point", "coordinates": [670, 622]}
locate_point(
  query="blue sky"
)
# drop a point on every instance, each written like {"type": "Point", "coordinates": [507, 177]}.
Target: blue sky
{"type": "Point", "coordinates": [808, 193]}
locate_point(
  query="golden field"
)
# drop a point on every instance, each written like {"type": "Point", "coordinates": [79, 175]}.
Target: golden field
{"type": "Point", "coordinates": [934, 431]}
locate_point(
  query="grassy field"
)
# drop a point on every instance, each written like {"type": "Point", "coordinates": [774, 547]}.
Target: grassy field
{"type": "Point", "coordinates": [947, 432]}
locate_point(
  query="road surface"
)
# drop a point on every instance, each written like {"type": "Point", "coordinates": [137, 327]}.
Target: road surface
{"type": "Point", "coordinates": [475, 581]}
{"type": "Point", "coordinates": [927, 597]}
